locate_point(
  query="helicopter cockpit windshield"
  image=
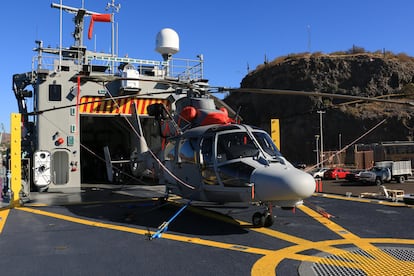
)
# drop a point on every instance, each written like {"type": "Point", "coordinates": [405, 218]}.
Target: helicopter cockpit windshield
{"type": "Point", "coordinates": [235, 145]}
{"type": "Point", "coordinates": [266, 143]}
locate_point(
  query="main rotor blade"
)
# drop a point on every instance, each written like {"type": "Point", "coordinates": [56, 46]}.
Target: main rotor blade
{"type": "Point", "coordinates": [315, 94]}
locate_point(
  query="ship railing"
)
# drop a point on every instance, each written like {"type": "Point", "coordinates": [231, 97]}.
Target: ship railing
{"type": "Point", "coordinates": [142, 65]}
{"type": "Point", "coordinates": [187, 69]}
{"type": "Point", "coordinates": [48, 58]}
{"type": "Point", "coordinates": [179, 68]}
{"type": "Point", "coordinates": [43, 62]}
{"type": "Point", "coordinates": [182, 69]}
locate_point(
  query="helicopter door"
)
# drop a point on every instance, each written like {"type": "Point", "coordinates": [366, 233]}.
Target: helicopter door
{"type": "Point", "coordinates": [207, 162]}
{"type": "Point", "coordinates": [186, 166]}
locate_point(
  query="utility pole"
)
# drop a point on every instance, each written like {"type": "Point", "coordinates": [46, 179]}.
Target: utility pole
{"type": "Point", "coordinates": [317, 150]}
{"type": "Point", "coordinates": [340, 141]}
{"type": "Point", "coordinates": [321, 133]}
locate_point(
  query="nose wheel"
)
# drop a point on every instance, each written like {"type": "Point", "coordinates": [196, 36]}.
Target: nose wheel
{"type": "Point", "coordinates": [265, 219]}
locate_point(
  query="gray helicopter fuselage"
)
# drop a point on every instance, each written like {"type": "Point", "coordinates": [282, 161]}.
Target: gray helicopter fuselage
{"type": "Point", "coordinates": [233, 163]}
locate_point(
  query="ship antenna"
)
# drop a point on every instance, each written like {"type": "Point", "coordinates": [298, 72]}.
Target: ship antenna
{"type": "Point", "coordinates": [115, 8]}
{"type": "Point", "coordinates": [60, 35]}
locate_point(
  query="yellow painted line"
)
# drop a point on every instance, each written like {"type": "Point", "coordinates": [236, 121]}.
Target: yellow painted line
{"type": "Point", "coordinates": [380, 263]}
{"type": "Point", "coordinates": [322, 246]}
{"type": "Point", "coordinates": [267, 231]}
{"type": "Point", "coordinates": [3, 217]}
{"type": "Point", "coordinates": [379, 257]}
{"type": "Point", "coordinates": [364, 200]}
{"type": "Point", "coordinates": [339, 230]}
{"type": "Point", "coordinates": [35, 204]}
{"type": "Point", "coordinates": [228, 246]}
{"type": "Point", "coordinates": [267, 264]}
{"type": "Point", "coordinates": [277, 234]}
{"type": "Point", "coordinates": [307, 244]}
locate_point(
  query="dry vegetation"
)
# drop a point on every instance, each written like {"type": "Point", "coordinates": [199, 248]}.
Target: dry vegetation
{"type": "Point", "coordinates": [355, 50]}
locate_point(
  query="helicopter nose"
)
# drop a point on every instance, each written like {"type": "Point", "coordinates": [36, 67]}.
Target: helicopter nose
{"type": "Point", "coordinates": [285, 186]}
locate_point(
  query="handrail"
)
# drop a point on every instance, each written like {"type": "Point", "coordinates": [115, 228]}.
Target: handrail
{"type": "Point", "coordinates": [182, 69]}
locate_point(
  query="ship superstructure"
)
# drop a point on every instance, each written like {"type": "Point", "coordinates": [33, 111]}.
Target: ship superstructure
{"type": "Point", "coordinates": [82, 101]}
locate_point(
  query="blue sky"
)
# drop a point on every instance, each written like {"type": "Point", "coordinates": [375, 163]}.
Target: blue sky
{"type": "Point", "coordinates": [231, 35]}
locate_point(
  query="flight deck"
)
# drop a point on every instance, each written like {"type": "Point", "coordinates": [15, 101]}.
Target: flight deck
{"type": "Point", "coordinates": [93, 117]}
{"type": "Point", "coordinates": [105, 230]}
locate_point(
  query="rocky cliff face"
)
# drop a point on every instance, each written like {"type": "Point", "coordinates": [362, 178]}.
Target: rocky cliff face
{"type": "Point", "coordinates": [365, 74]}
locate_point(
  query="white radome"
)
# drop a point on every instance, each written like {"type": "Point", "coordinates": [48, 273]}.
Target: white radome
{"type": "Point", "coordinates": [167, 42]}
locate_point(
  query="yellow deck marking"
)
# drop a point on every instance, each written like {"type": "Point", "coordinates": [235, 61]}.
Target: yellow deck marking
{"type": "Point", "coordinates": [380, 263]}
{"type": "Point", "coordinates": [3, 217]}
{"type": "Point", "coordinates": [276, 234]}
{"type": "Point", "coordinates": [180, 238]}
{"type": "Point", "coordinates": [365, 200]}
{"type": "Point", "coordinates": [307, 244]}
{"type": "Point", "coordinates": [339, 230]}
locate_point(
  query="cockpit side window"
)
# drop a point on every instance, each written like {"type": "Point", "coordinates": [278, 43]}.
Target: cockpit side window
{"type": "Point", "coordinates": [186, 151]}
{"type": "Point", "coordinates": [169, 152]}
{"type": "Point", "coordinates": [266, 143]}
{"type": "Point", "coordinates": [235, 145]}
{"type": "Point", "coordinates": [207, 169]}
{"type": "Point", "coordinates": [207, 150]}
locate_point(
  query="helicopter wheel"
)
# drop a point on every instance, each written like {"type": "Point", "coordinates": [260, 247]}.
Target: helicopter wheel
{"type": "Point", "coordinates": [263, 219]}
{"type": "Point", "coordinates": [258, 219]}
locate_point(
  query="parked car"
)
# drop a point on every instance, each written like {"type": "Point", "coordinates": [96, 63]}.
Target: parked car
{"type": "Point", "coordinates": [301, 166]}
{"type": "Point", "coordinates": [318, 173]}
{"type": "Point", "coordinates": [353, 176]}
{"type": "Point", "coordinates": [376, 175]}
{"type": "Point", "coordinates": [385, 171]}
{"type": "Point", "coordinates": [336, 173]}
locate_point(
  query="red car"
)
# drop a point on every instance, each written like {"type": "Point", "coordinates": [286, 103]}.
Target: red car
{"type": "Point", "coordinates": [336, 173]}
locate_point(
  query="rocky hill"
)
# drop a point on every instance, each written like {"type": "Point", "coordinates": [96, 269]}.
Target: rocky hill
{"type": "Point", "coordinates": [363, 74]}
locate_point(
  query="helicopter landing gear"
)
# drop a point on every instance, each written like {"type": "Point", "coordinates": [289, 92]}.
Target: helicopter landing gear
{"type": "Point", "coordinates": [265, 219]}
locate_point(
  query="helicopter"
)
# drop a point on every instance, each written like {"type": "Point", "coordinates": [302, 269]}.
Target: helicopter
{"type": "Point", "coordinates": [208, 156]}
